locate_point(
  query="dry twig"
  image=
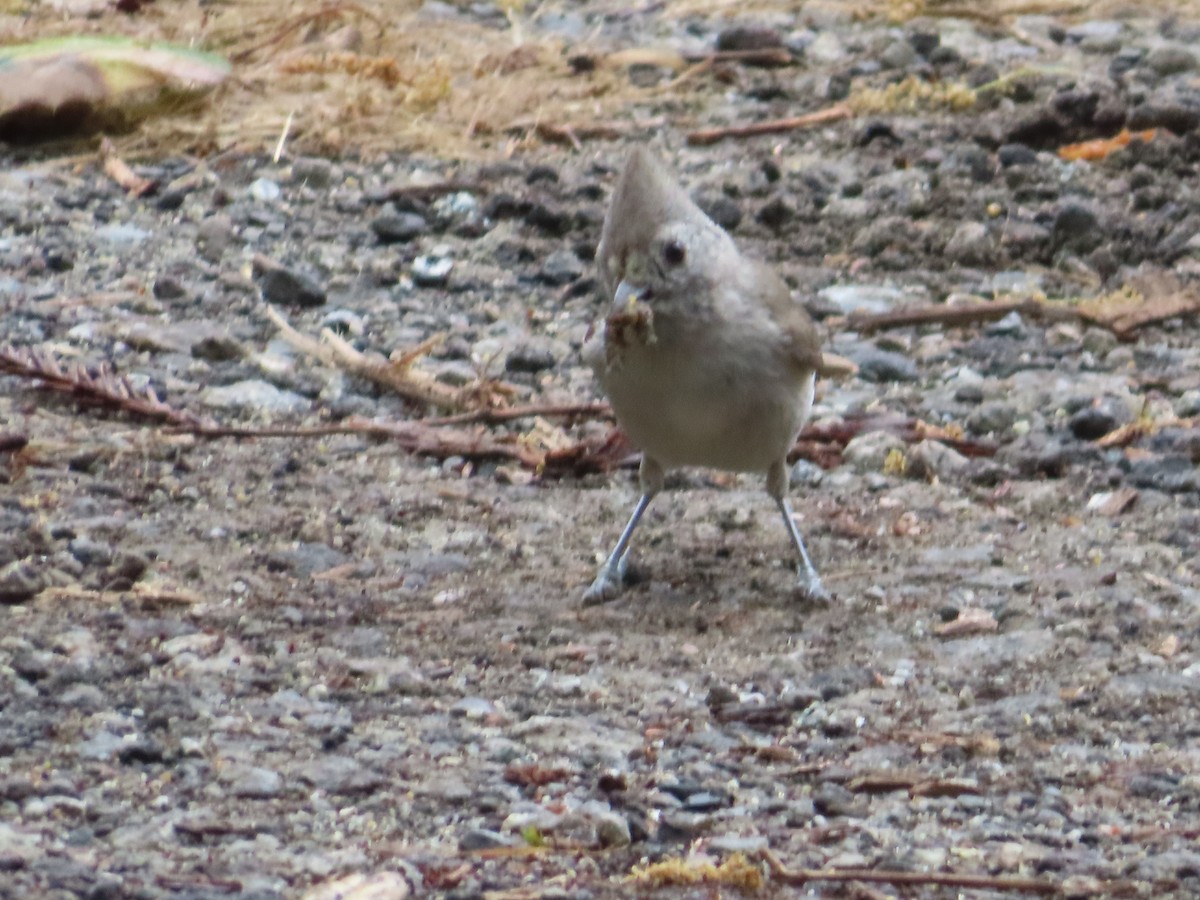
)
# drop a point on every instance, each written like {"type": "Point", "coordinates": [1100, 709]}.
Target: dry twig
{"type": "Point", "coordinates": [772, 126]}
{"type": "Point", "coordinates": [395, 375]}
{"type": "Point", "coordinates": [951, 316]}
{"type": "Point", "coordinates": [101, 388]}
{"type": "Point", "coordinates": [116, 169]}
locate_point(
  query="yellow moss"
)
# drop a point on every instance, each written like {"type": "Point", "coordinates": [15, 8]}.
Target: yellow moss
{"type": "Point", "coordinates": [735, 871]}
{"type": "Point", "coordinates": [913, 94]}
{"type": "Point", "coordinates": [896, 462]}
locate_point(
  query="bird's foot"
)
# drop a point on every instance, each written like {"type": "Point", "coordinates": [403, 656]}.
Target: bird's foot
{"type": "Point", "coordinates": [609, 582]}
{"type": "Point", "coordinates": [810, 589]}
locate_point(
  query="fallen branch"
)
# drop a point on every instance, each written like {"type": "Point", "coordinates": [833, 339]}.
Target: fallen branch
{"type": "Point", "coordinates": [100, 388]}
{"type": "Point", "coordinates": [772, 126]}
{"type": "Point", "coordinates": [533, 410]}
{"type": "Point", "coordinates": [801, 877]}
{"type": "Point", "coordinates": [396, 375]}
{"type": "Point", "coordinates": [952, 316]}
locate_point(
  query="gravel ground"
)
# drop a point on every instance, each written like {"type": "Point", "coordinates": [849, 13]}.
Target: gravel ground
{"type": "Point", "coordinates": [245, 668]}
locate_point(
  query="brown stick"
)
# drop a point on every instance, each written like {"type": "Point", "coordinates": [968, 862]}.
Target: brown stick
{"type": "Point", "coordinates": [555, 410]}
{"type": "Point", "coordinates": [953, 316]}
{"type": "Point", "coordinates": [886, 876]}
{"type": "Point", "coordinates": [765, 56]}
{"type": "Point", "coordinates": [772, 126]}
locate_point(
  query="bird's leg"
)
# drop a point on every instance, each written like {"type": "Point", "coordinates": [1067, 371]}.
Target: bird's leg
{"type": "Point", "coordinates": [610, 579]}
{"type": "Point", "coordinates": [810, 581]}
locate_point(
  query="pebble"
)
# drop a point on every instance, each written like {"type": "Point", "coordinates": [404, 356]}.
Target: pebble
{"type": "Point", "coordinates": [313, 171]}
{"type": "Point", "coordinates": [866, 298]}
{"type": "Point", "coordinates": [885, 365]}
{"type": "Point", "coordinates": [20, 581]}
{"type": "Point", "coordinates": [254, 396]}
{"type": "Point", "coordinates": [1170, 60]}
{"type": "Point", "coordinates": [482, 839]}
{"type": "Point", "coordinates": [264, 190]}
{"type": "Point", "coordinates": [992, 417]}
{"type": "Point", "coordinates": [561, 267]}
{"type": "Point", "coordinates": [868, 452]}
{"type": "Point", "coordinates": [529, 358]}
{"type": "Point", "coordinates": [287, 287]}
{"type": "Point", "coordinates": [398, 227]}
{"type": "Point", "coordinates": [431, 270]}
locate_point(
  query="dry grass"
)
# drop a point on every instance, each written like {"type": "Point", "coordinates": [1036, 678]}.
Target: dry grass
{"type": "Point", "coordinates": [375, 76]}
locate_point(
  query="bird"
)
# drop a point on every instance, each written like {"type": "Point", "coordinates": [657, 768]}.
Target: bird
{"type": "Point", "coordinates": [704, 355]}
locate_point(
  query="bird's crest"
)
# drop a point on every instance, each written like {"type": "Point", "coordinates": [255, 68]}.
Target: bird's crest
{"type": "Point", "coordinates": [646, 198]}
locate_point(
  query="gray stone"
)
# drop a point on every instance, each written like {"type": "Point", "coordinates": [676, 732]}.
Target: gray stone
{"type": "Point", "coordinates": [561, 267]}
{"type": "Point", "coordinates": [286, 287]}
{"type": "Point", "coordinates": [867, 298]}
{"type": "Point", "coordinates": [254, 396]}
{"type": "Point", "coordinates": [431, 270]}
{"type": "Point", "coordinates": [868, 452]}
{"type": "Point", "coordinates": [971, 245]}
{"type": "Point", "coordinates": [20, 581]}
{"type": "Point", "coordinates": [484, 839]}
{"type": "Point", "coordinates": [1170, 60]}
{"type": "Point", "coordinates": [884, 365]}
{"type": "Point", "coordinates": [399, 227]}
{"type": "Point", "coordinates": [530, 358]}
{"type": "Point", "coordinates": [312, 171]}
{"type": "Point", "coordinates": [993, 417]}
{"type": "Point", "coordinates": [264, 190]}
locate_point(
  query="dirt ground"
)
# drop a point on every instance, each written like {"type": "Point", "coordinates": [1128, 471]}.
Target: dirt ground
{"type": "Point", "coordinates": [266, 667]}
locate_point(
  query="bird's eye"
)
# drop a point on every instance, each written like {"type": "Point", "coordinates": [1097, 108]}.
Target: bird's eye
{"type": "Point", "coordinates": [674, 254]}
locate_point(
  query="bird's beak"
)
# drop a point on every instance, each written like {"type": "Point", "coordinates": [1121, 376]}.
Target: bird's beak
{"type": "Point", "coordinates": [626, 299]}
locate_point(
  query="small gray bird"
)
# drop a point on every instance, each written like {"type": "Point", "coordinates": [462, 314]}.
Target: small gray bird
{"type": "Point", "coordinates": [705, 356]}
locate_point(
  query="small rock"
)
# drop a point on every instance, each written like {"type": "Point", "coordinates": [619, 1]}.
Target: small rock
{"type": "Point", "coordinates": [898, 55]}
{"type": "Point", "coordinates": [931, 459]}
{"type": "Point", "coordinates": [483, 839]}
{"type": "Point", "coordinates": [214, 235]}
{"type": "Point", "coordinates": [399, 227]}
{"type": "Point", "coordinates": [254, 396]}
{"type": "Point", "coordinates": [1016, 155]}
{"type": "Point", "coordinates": [993, 417]}
{"type": "Point", "coordinates": [741, 38]}
{"type": "Point", "coordinates": [885, 365]}
{"type": "Point", "coordinates": [868, 298]}
{"type": "Point", "coordinates": [264, 190]}
{"type": "Point", "coordinates": [252, 782]}
{"type": "Point", "coordinates": [868, 452]}
{"type": "Point", "coordinates": [776, 213]}
{"type": "Point", "coordinates": [831, 799]}
{"type": "Point", "coordinates": [561, 267]}
{"type": "Point", "coordinates": [1188, 404]}
{"type": "Point", "coordinates": [612, 829]}
{"type": "Point", "coordinates": [971, 245]}
{"type": "Point", "coordinates": [19, 581]}
{"type": "Point", "coordinates": [529, 358]}
{"type": "Point", "coordinates": [474, 708]}
{"type": "Point", "coordinates": [91, 553]}
{"type": "Point", "coordinates": [1170, 60]}
{"type": "Point", "coordinates": [1077, 227]}
{"type": "Point", "coordinates": [343, 322]}
{"type": "Point", "coordinates": [167, 287]}
{"type": "Point", "coordinates": [217, 348]}
{"type": "Point", "coordinates": [1096, 420]}
{"type": "Point", "coordinates": [1170, 474]}
{"type": "Point", "coordinates": [431, 270]}
{"type": "Point", "coordinates": [313, 171]}
{"type": "Point", "coordinates": [286, 287]}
